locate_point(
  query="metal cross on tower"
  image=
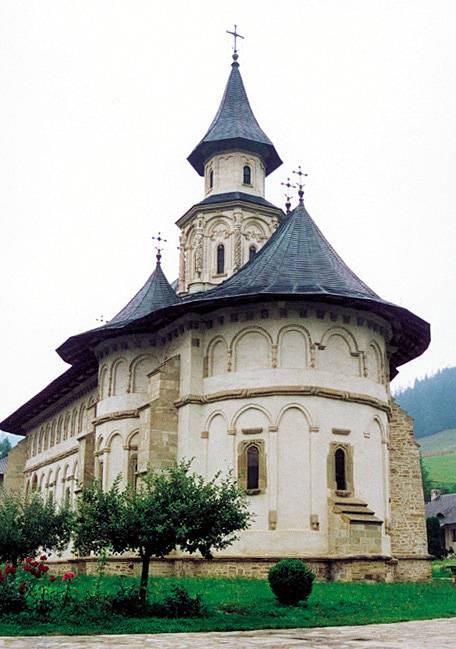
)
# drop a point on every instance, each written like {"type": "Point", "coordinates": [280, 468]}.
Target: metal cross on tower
{"type": "Point", "coordinates": [159, 239]}
{"type": "Point", "coordinates": [235, 36]}
{"type": "Point", "coordinates": [289, 186]}
{"type": "Point", "coordinates": [301, 175]}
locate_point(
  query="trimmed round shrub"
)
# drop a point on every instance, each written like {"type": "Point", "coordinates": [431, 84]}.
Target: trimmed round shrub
{"type": "Point", "coordinates": [291, 581]}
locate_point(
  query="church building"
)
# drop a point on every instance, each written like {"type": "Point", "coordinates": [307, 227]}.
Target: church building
{"type": "Point", "coordinates": [268, 357]}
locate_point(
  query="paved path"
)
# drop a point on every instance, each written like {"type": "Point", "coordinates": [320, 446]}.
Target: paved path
{"type": "Point", "coordinates": [429, 634]}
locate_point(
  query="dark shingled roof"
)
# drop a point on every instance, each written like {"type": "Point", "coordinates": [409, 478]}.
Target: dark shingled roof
{"type": "Point", "coordinates": [234, 127]}
{"type": "Point", "coordinates": [296, 259]}
{"type": "Point", "coordinates": [156, 293]}
{"type": "Point", "coordinates": [296, 263]}
{"type": "Point", "coordinates": [444, 506]}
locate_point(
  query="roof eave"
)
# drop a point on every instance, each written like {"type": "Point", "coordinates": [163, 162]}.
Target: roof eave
{"type": "Point", "coordinates": [206, 149]}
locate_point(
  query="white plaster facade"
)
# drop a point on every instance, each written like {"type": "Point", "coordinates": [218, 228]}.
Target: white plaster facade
{"type": "Point", "coordinates": [297, 377]}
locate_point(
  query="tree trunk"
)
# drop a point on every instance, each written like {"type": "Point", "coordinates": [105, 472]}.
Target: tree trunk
{"type": "Point", "coordinates": [144, 578]}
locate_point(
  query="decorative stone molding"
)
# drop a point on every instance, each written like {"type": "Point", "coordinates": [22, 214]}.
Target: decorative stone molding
{"type": "Point", "coordinates": [314, 429]}
{"type": "Point", "coordinates": [341, 431]}
{"type": "Point", "coordinates": [52, 460]}
{"type": "Point", "coordinates": [251, 431]}
{"type": "Point", "coordinates": [204, 434]}
{"type": "Point", "coordinates": [272, 519]}
{"type": "Point", "coordinates": [114, 416]}
{"type": "Point", "coordinates": [283, 390]}
{"type": "Point", "coordinates": [273, 429]}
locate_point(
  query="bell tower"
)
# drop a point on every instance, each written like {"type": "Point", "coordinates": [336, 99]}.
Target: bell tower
{"type": "Point", "coordinates": [233, 221]}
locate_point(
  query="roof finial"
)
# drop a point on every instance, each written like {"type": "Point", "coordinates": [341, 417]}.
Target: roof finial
{"type": "Point", "coordinates": [235, 36]}
{"type": "Point", "coordinates": [289, 186]}
{"type": "Point", "coordinates": [301, 175]}
{"type": "Point", "coordinates": [159, 239]}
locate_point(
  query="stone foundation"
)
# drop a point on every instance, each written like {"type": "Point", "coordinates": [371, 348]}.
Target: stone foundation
{"type": "Point", "coordinates": [344, 568]}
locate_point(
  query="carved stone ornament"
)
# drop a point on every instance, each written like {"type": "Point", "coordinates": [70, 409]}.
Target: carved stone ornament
{"type": "Point", "coordinates": [237, 242]}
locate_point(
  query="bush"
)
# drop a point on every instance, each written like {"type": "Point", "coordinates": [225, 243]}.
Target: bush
{"type": "Point", "coordinates": [127, 601]}
{"type": "Point", "coordinates": [434, 537]}
{"type": "Point", "coordinates": [291, 581]}
{"type": "Point", "coordinates": [179, 603]}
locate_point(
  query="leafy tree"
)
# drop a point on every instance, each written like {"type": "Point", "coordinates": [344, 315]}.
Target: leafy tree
{"type": "Point", "coordinates": [5, 447]}
{"type": "Point", "coordinates": [427, 482]}
{"type": "Point", "coordinates": [171, 508]}
{"type": "Point", "coordinates": [31, 523]}
{"type": "Point", "coordinates": [434, 536]}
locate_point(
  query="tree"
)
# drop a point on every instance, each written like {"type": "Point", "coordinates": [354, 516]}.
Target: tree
{"type": "Point", "coordinates": [5, 447]}
{"type": "Point", "coordinates": [427, 482]}
{"type": "Point", "coordinates": [171, 508]}
{"type": "Point", "coordinates": [31, 523]}
{"type": "Point", "coordinates": [434, 536]}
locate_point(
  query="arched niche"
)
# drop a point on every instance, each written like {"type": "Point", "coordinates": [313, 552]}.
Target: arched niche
{"type": "Point", "coordinates": [139, 369]}
{"type": "Point", "coordinates": [114, 459]}
{"type": "Point", "coordinates": [293, 469]}
{"type": "Point", "coordinates": [374, 363]}
{"type": "Point", "coordinates": [119, 377]}
{"type": "Point", "coordinates": [294, 348]}
{"type": "Point", "coordinates": [252, 350]}
{"type": "Point", "coordinates": [252, 418]}
{"type": "Point", "coordinates": [217, 357]}
{"type": "Point", "coordinates": [338, 354]}
{"type": "Point", "coordinates": [219, 449]}
{"type": "Point", "coordinates": [103, 381]}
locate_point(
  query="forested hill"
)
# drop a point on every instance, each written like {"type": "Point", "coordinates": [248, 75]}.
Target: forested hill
{"type": "Point", "coordinates": [431, 402]}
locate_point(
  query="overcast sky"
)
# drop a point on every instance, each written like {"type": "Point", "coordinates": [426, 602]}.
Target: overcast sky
{"type": "Point", "coordinates": [103, 100]}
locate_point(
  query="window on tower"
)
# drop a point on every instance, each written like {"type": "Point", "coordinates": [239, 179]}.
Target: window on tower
{"type": "Point", "coordinates": [247, 175]}
{"type": "Point", "coordinates": [211, 179]}
{"type": "Point", "coordinates": [220, 259]}
{"type": "Point", "coordinates": [252, 252]}
{"type": "Point", "coordinates": [253, 467]}
{"type": "Point", "coordinates": [340, 470]}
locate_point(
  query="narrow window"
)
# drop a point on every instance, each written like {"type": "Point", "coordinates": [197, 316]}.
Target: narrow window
{"type": "Point", "coordinates": [253, 467]}
{"type": "Point", "coordinates": [247, 175]}
{"type": "Point", "coordinates": [341, 481]}
{"type": "Point", "coordinates": [252, 252]}
{"type": "Point", "coordinates": [211, 179]}
{"type": "Point", "coordinates": [454, 534]}
{"type": "Point", "coordinates": [220, 259]}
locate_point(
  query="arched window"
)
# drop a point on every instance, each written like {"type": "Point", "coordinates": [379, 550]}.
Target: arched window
{"type": "Point", "coordinates": [253, 467]}
{"type": "Point", "coordinates": [211, 179]}
{"type": "Point", "coordinates": [220, 259]}
{"type": "Point", "coordinates": [340, 470]}
{"type": "Point", "coordinates": [247, 175]}
{"type": "Point", "coordinates": [252, 252]}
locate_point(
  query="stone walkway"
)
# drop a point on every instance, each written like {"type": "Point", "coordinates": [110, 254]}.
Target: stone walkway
{"type": "Point", "coordinates": [429, 634]}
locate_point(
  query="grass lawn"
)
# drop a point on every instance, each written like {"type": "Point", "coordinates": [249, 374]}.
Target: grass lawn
{"type": "Point", "coordinates": [249, 604]}
{"type": "Point", "coordinates": [442, 469]}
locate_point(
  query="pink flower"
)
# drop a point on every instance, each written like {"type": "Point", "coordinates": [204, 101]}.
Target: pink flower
{"type": "Point", "coordinates": [43, 557]}
{"type": "Point", "coordinates": [68, 575]}
{"type": "Point", "coordinates": [10, 570]}
{"type": "Point", "coordinates": [52, 578]}
{"type": "Point", "coordinates": [27, 567]}
{"type": "Point", "coordinates": [43, 568]}
{"type": "Point", "coordinates": [22, 587]}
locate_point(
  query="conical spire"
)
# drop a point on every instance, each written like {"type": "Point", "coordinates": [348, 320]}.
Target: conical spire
{"type": "Point", "coordinates": [297, 259]}
{"type": "Point", "coordinates": [235, 127]}
{"type": "Point", "coordinates": [156, 293]}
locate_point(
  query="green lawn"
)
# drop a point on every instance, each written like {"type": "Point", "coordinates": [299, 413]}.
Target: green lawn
{"type": "Point", "coordinates": [442, 469]}
{"type": "Point", "coordinates": [249, 604]}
